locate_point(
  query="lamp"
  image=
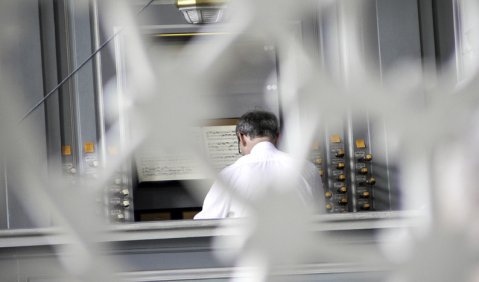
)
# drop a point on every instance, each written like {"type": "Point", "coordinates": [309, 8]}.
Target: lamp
{"type": "Point", "coordinates": [202, 11]}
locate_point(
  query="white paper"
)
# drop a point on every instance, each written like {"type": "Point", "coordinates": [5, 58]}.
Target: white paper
{"type": "Point", "coordinates": [221, 145]}
{"type": "Point", "coordinates": [218, 142]}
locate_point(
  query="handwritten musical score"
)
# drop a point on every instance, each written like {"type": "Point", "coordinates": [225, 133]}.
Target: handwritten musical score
{"type": "Point", "coordinates": [167, 166]}
{"type": "Point", "coordinates": [221, 145]}
{"type": "Point", "coordinates": [218, 145]}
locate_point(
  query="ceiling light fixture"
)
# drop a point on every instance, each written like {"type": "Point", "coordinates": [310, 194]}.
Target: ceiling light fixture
{"type": "Point", "coordinates": [202, 11]}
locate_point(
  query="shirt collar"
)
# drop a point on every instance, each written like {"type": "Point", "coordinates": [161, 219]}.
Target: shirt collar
{"type": "Point", "coordinates": [262, 146]}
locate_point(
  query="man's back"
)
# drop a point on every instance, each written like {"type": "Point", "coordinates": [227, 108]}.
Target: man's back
{"type": "Point", "coordinates": [264, 170]}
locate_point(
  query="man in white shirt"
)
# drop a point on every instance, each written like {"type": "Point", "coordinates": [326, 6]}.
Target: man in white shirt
{"type": "Point", "coordinates": [261, 170]}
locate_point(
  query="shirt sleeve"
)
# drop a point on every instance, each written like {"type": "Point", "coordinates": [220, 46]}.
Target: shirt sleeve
{"type": "Point", "coordinates": [313, 178]}
{"type": "Point", "coordinates": [216, 203]}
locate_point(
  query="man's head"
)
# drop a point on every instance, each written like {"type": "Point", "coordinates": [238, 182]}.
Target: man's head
{"type": "Point", "coordinates": [254, 127]}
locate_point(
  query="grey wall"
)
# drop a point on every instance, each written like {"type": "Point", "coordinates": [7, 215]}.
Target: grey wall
{"type": "Point", "coordinates": [21, 62]}
{"type": "Point", "coordinates": [398, 33]}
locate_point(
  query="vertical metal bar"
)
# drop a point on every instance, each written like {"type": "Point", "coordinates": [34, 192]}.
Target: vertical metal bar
{"type": "Point", "coordinates": [126, 177]}
{"type": "Point", "coordinates": [120, 70]}
{"type": "Point", "coordinates": [344, 11]}
{"type": "Point", "coordinates": [64, 54]}
{"type": "Point", "coordinates": [426, 28]}
{"type": "Point", "coordinates": [347, 14]}
{"type": "Point", "coordinates": [76, 118]}
{"type": "Point", "coordinates": [444, 35]}
{"type": "Point", "coordinates": [456, 16]}
{"type": "Point", "coordinates": [98, 81]}
{"type": "Point", "coordinates": [50, 80]}
{"type": "Point", "coordinates": [350, 152]}
{"type": "Point", "coordinates": [380, 66]}
{"type": "Point", "coordinates": [84, 114]}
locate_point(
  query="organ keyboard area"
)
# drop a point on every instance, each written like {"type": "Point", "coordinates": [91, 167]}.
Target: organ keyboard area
{"type": "Point", "coordinates": [346, 169]}
{"type": "Point", "coordinates": [345, 161]}
{"type": "Point", "coordinates": [348, 166]}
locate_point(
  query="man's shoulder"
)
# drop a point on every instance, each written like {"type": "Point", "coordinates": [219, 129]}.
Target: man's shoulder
{"type": "Point", "coordinates": [309, 165]}
{"type": "Point", "coordinates": [234, 166]}
{"type": "Point", "coordinates": [310, 170]}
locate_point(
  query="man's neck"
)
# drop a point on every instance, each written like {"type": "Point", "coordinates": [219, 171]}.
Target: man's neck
{"type": "Point", "coordinates": [259, 140]}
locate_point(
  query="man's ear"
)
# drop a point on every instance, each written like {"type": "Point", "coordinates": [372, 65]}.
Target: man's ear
{"type": "Point", "coordinates": [242, 139]}
{"type": "Point", "coordinates": [276, 140]}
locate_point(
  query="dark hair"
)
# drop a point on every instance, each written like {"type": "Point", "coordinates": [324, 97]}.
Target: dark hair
{"type": "Point", "coordinates": [258, 124]}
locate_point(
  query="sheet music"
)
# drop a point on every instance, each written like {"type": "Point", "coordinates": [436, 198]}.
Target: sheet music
{"type": "Point", "coordinates": [158, 166]}
{"type": "Point", "coordinates": [218, 142]}
{"type": "Point", "coordinates": [221, 145]}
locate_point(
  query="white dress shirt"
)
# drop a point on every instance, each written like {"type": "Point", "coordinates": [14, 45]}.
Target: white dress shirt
{"type": "Point", "coordinates": [253, 175]}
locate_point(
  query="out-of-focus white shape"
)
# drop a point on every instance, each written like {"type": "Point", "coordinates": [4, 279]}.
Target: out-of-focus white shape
{"type": "Point", "coordinates": [141, 75]}
{"type": "Point", "coordinates": [279, 232]}
{"type": "Point", "coordinates": [349, 41]}
{"type": "Point", "coordinates": [452, 188]}
{"type": "Point", "coordinates": [416, 182]}
{"type": "Point", "coordinates": [75, 258]}
{"type": "Point", "coordinates": [397, 246]}
{"type": "Point", "coordinates": [257, 269]}
{"type": "Point", "coordinates": [406, 79]}
{"type": "Point", "coordinates": [442, 256]}
{"type": "Point", "coordinates": [298, 131]}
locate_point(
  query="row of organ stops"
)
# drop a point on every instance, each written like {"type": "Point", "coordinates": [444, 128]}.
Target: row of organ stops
{"type": "Point", "coordinates": [338, 193]}
{"type": "Point", "coordinates": [119, 201]}
{"type": "Point", "coordinates": [364, 180]}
